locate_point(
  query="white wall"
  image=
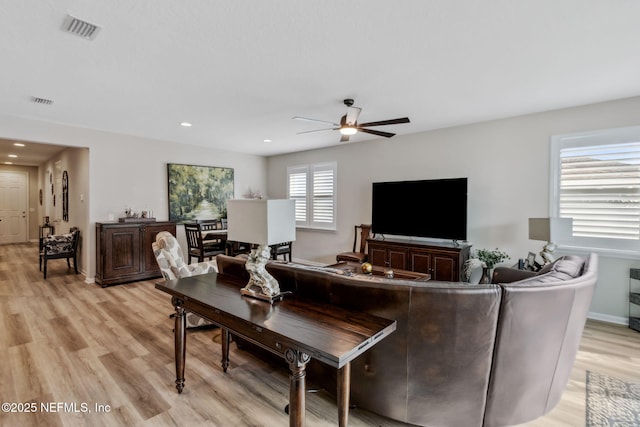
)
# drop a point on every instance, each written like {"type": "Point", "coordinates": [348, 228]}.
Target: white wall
{"type": "Point", "coordinates": [507, 163]}
{"type": "Point", "coordinates": [127, 171]}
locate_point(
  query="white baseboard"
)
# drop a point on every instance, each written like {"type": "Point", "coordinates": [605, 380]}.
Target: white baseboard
{"type": "Point", "coordinates": [609, 318]}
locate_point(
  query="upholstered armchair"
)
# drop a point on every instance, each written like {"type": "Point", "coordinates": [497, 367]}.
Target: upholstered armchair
{"type": "Point", "coordinates": [60, 246]}
{"type": "Point", "coordinates": [170, 259]}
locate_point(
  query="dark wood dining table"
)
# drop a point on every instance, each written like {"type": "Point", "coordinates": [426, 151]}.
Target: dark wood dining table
{"type": "Point", "coordinates": [220, 234]}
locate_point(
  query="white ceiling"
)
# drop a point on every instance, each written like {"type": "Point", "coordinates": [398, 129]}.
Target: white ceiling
{"type": "Point", "coordinates": [239, 70]}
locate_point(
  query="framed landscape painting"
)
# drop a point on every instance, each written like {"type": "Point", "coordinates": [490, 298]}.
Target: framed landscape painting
{"type": "Point", "coordinates": [198, 192]}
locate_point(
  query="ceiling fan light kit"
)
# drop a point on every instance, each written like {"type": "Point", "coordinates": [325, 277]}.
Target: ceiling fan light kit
{"type": "Point", "coordinates": [349, 123]}
{"type": "Point", "coordinates": [348, 130]}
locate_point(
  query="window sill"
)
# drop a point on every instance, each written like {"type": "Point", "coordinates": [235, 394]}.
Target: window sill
{"type": "Point", "coordinates": [327, 230]}
{"type": "Point", "coordinates": [606, 252]}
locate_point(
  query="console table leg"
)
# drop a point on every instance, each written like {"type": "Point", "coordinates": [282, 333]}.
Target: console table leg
{"type": "Point", "coordinates": [297, 386]}
{"type": "Point", "coordinates": [180, 338]}
{"type": "Point", "coordinates": [226, 337]}
{"type": "Point", "coordinates": [344, 391]}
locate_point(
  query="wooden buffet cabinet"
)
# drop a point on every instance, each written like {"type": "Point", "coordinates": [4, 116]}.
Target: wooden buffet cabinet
{"type": "Point", "coordinates": [124, 253]}
{"type": "Point", "coordinates": [443, 261]}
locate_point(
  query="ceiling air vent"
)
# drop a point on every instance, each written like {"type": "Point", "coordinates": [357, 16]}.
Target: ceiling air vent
{"type": "Point", "coordinates": [42, 101]}
{"type": "Point", "coordinates": [80, 28]}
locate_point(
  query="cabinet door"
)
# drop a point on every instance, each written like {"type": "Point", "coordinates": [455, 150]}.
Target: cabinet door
{"type": "Point", "coordinates": [445, 268]}
{"type": "Point", "coordinates": [398, 258]}
{"type": "Point", "coordinates": [121, 252]}
{"type": "Point", "coordinates": [377, 255]}
{"type": "Point", "coordinates": [420, 262]}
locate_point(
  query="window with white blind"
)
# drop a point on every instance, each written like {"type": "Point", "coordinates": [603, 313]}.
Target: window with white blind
{"type": "Point", "coordinates": [595, 179]}
{"type": "Point", "coordinates": [313, 187]}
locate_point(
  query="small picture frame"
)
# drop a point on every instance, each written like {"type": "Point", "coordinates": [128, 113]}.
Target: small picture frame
{"type": "Point", "coordinates": [529, 262]}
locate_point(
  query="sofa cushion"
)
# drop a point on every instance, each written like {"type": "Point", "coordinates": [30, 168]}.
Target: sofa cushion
{"type": "Point", "coordinates": [570, 264]}
{"type": "Point", "coordinates": [564, 268]}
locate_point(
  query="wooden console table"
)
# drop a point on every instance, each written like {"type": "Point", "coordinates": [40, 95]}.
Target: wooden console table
{"type": "Point", "coordinates": [295, 329]}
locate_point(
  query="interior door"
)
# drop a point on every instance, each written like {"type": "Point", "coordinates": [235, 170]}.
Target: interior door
{"type": "Point", "coordinates": [13, 207]}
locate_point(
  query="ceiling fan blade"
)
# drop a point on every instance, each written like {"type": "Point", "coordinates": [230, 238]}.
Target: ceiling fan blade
{"type": "Point", "coordinates": [376, 132]}
{"type": "Point", "coordinates": [314, 120]}
{"type": "Point", "coordinates": [387, 122]}
{"type": "Point", "coordinates": [316, 130]}
{"type": "Point", "coordinates": [352, 115]}
{"type": "Point", "coordinates": [344, 138]}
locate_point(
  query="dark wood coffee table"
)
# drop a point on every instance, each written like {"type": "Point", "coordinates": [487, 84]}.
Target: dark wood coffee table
{"type": "Point", "coordinates": [350, 267]}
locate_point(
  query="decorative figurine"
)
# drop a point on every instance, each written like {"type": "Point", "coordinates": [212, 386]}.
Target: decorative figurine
{"type": "Point", "coordinates": [258, 275]}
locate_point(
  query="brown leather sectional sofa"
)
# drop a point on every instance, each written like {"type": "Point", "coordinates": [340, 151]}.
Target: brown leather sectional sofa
{"type": "Point", "coordinates": [462, 355]}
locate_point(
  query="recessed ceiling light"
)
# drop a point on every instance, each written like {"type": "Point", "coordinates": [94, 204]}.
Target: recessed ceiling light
{"type": "Point", "coordinates": [185, 124]}
{"type": "Point", "coordinates": [18, 144]}
{"type": "Point", "coordinates": [268, 140]}
{"type": "Point", "coordinates": [13, 156]}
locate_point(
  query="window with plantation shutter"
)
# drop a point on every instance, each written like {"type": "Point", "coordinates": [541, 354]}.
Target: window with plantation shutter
{"type": "Point", "coordinates": [313, 187]}
{"type": "Point", "coordinates": [596, 181]}
{"type": "Point", "coordinates": [298, 192]}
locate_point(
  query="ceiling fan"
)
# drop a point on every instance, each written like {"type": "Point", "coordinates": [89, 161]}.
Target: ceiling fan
{"type": "Point", "coordinates": [349, 123]}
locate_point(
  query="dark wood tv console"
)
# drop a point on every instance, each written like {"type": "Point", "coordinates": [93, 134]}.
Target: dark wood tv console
{"type": "Point", "coordinates": [443, 261]}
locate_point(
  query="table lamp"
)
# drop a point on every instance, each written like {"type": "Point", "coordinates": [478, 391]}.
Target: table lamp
{"type": "Point", "coordinates": [547, 228]}
{"type": "Point", "coordinates": [263, 223]}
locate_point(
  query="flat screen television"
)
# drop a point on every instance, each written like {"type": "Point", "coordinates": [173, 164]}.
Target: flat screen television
{"type": "Point", "coordinates": [434, 208]}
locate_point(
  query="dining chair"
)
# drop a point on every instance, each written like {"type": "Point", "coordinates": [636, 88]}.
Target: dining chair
{"type": "Point", "coordinates": [281, 249]}
{"type": "Point", "coordinates": [213, 237]}
{"type": "Point", "coordinates": [363, 231]}
{"type": "Point", "coordinates": [195, 244]}
{"type": "Point", "coordinates": [207, 224]}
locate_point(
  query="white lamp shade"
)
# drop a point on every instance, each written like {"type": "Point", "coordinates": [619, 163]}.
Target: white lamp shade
{"type": "Point", "coordinates": [263, 222]}
{"type": "Point", "coordinates": [548, 229]}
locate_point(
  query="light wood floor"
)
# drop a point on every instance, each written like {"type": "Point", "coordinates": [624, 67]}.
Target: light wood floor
{"type": "Point", "coordinates": [66, 342]}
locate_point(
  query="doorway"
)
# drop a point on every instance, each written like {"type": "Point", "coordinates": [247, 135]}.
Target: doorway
{"type": "Point", "coordinates": [14, 190]}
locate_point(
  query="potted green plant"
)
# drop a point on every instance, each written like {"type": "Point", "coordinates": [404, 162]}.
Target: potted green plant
{"type": "Point", "coordinates": [487, 259]}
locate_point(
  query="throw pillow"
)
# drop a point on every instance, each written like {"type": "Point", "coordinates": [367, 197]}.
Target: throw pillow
{"type": "Point", "coordinates": [562, 269]}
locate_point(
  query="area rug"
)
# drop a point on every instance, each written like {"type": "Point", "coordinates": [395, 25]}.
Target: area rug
{"type": "Point", "coordinates": [612, 402]}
